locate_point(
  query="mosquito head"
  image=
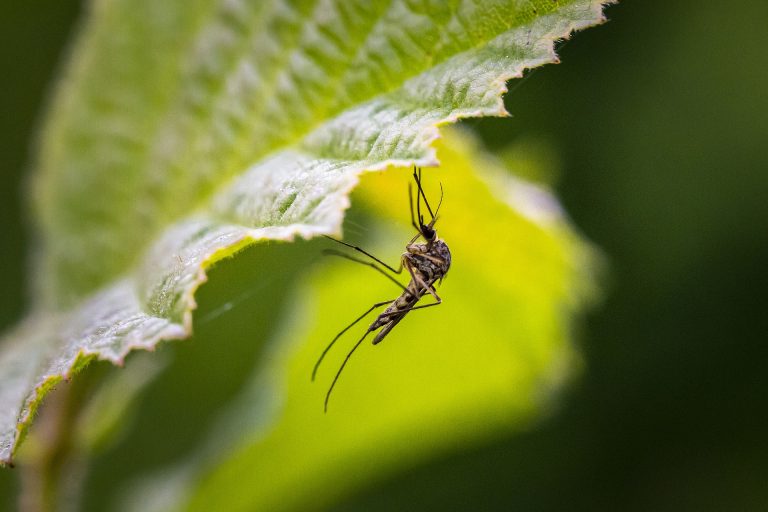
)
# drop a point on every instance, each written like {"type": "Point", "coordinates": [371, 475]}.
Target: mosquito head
{"type": "Point", "coordinates": [426, 229]}
{"type": "Point", "coordinates": [428, 232]}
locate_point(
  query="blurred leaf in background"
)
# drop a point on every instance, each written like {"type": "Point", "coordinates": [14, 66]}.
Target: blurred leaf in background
{"type": "Point", "coordinates": [185, 132]}
{"type": "Point", "coordinates": [655, 125]}
{"type": "Point", "coordinates": [658, 122]}
{"type": "Point", "coordinates": [490, 359]}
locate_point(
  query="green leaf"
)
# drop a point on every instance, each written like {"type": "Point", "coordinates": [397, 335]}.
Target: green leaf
{"type": "Point", "coordinates": [184, 131]}
{"type": "Point", "coordinates": [489, 359]}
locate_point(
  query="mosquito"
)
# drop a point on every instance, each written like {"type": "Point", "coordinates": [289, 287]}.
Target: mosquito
{"type": "Point", "coordinates": [427, 263]}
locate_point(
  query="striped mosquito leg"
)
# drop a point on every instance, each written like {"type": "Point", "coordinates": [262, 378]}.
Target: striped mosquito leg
{"type": "Point", "coordinates": [346, 359]}
{"type": "Point", "coordinates": [363, 251]}
{"type": "Point", "coordinates": [332, 252]}
{"type": "Point", "coordinates": [320, 360]}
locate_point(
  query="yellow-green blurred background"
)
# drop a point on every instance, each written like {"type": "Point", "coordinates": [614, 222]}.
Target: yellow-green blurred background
{"type": "Point", "coordinates": [655, 127]}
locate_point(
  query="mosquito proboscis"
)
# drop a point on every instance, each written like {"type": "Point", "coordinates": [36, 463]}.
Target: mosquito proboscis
{"type": "Point", "coordinates": [427, 263]}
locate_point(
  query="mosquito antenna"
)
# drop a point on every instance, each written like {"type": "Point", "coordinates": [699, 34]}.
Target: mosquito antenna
{"type": "Point", "coordinates": [439, 203]}
{"type": "Point", "coordinates": [328, 395]}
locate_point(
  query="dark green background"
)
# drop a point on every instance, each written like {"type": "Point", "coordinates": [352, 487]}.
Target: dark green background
{"type": "Point", "coordinates": [660, 121]}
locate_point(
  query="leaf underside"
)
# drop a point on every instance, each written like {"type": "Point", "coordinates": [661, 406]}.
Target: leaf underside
{"type": "Point", "coordinates": [183, 131]}
{"type": "Point", "coordinates": [488, 361]}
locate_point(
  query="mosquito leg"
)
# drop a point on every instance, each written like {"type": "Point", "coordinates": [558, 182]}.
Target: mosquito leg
{"type": "Point", "coordinates": [333, 252]}
{"type": "Point", "coordinates": [434, 259]}
{"type": "Point", "coordinates": [320, 360]}
{"type": "Point", "coordinates": [346, 359]}
{"type": "Point", "coordinates": [405, 310]}
{"type": "Point", "coordinates": [413, 219]}
{"type": "Point", "coordinates": [421, 282]}
{"type": "Point", "coordinates": [423, 195]}
{"type": "Point", "coordinates": [358, 249]}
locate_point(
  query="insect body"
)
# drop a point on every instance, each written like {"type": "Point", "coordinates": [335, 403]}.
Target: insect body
{"type": "Point", "coordinates": [427, 263]}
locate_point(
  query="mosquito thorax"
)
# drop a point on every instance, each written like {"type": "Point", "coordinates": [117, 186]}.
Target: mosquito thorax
{"type": "Point", "coordinates": [440, 249]}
